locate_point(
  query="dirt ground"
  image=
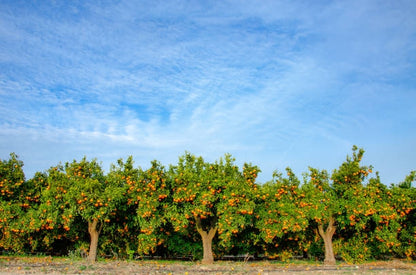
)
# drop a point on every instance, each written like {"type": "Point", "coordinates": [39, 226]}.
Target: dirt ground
{"type": "Point", "coordinates": [49, 265]}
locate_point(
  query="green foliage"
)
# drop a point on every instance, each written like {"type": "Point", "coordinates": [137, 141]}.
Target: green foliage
{"type": "Point", "coordinates": [403, 200]}
{"type": "Point", "coordinates": [187, 246]}
{"type": "Point", "coordinates": [150, 193]}
{"type": "Point", "coordinates": [166, 212]}
{"type": "Point", "coordinates": [407, 183]}
{"type": "Point", "coordinates": [15, 196]}
{"type": "Point", "coordinates": [350, 173]}
{"type": "Point", "coordinates": [281, 215]}
{"type": "Point", "coordinates": [318, 198]}
{"type": "Point", "coordinates": [355, 250]}
{"type": "Point", "coordinates": [122, 226]}
{"type": "Point", "coordinates": [212, 198]}
{"type": "Point", "coordinates": [12, 179]}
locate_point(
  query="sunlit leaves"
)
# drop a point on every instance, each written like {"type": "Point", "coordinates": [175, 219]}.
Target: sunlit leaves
{"type": "Point", "coordinates": [12, 178]}
{"type": "Point", "coordinates": [214, 196]}
{"type": "Point", "coordinates": [158, 210]}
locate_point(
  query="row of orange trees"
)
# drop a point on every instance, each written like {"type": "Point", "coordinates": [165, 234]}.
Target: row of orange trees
{"type": "Point", "coordinates": [206, 210]}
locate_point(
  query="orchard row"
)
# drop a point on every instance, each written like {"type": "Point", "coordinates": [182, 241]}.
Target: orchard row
{"type": "Point", "coordinates": [206, 210]}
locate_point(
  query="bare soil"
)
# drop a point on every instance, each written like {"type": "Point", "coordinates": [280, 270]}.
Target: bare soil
{"type": "Point", "coordinates": [49, 265]}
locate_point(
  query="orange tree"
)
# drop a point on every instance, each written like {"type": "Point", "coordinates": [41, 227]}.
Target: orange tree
{"type": "Point", "coordinates": [369, 223]}
{"type": "Point", "coordinates": [211, 198]}
{"type": "Point", "coordinates": [50, 223]}
{"type": "Point", "coordinates": [29, 219]}
{"type": "Point", "coordinates": [336, 207]}
{"type": "Point", "coordinates": [148, 193]}
{"type": "Point", "coordinates": [348, 184]}
{"type": "Point", "coordinates": [393, 205]}
{"type": "Point", "coordinates": [244, 240]}
{"type": "Point", "coordinates": [321, 207]}
{"type": "Point", "coordinates": [13, 203]}
{"type": "Point", "coordinates": [281, 219]}
{"type": "Point", "coordinates": [78, 193]}
{"type": "Point", "coordinates": [19, 201]}
{"type": "Point", "coordinates": [138, 225]}
{"type": "Point", "coordinates": [122, 227]}
{"type": "Point", "coordinates": [402, 198]}
{"type": "Point", "coordinates": [372, 220]}
{"type": "Point", "coordinates": [92, 198]}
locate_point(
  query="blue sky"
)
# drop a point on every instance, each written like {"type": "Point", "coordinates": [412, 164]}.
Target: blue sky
{"type": "Point", "coordinates": [274, 83]}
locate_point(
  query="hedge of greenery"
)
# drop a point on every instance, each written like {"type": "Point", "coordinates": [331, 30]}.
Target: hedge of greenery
{"type": "Point", "coordinates": [201, 210]}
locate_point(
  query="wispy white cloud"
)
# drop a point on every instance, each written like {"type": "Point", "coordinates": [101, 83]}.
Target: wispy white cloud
{"type": "Point", "coordinates": [275, 83]}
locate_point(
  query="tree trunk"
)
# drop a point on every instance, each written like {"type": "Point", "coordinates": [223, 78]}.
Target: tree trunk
{"type": "Point", "coordinates": [94, 234]}
{"type": "Point", "coordinates": [207, 236]}
{"type": "Point", "coordinates": [327, 237]}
